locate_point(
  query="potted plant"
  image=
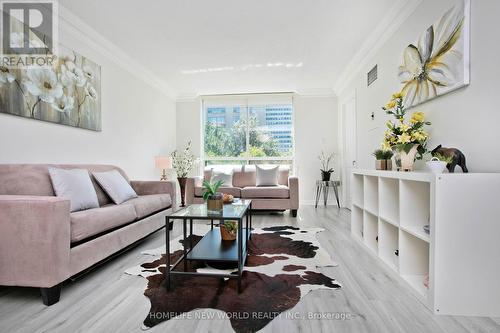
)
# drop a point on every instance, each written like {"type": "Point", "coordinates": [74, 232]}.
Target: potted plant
{"type": "Point", "coordinates": [438, 163]}
{"type": "Point", "coordinates": [183, 163]}
{"type": "Point", "coordinates": [228, 230]}
{"type": "Point", "coordinates": [407, 139]}
{"type": "Point", "coordinates": [326, 171]}
{"type": "Point", "coordinates": [383, 159]}
{"type": "Point", "coordinates": [214, 199]}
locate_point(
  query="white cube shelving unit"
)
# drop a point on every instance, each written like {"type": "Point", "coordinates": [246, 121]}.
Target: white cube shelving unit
{"type": "Point", "coordinates": [461, 254]}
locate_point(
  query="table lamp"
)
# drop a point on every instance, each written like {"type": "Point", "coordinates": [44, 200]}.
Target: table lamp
{"type": "Point", "coordinates": [163, 163]}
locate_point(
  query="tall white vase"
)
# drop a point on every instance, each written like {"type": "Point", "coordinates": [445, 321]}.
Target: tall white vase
{"type": "Point", "coordinates": [406, 160]}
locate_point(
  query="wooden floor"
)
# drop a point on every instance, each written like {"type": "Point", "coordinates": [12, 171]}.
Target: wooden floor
{"type": "Point", "coordinates": [107, 300]}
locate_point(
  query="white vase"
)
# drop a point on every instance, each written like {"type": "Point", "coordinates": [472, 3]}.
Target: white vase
{"type": "Point", "coordinates": [406, 160]}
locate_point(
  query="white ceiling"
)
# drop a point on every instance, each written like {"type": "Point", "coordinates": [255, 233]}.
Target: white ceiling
{"type": "Point", "coordinates": [236, 46]}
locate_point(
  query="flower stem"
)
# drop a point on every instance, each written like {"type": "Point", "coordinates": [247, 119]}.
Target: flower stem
{"type": "Point", "coordinates": [22, 92]}
{"type": "Point", "coordinates": [33, 108]}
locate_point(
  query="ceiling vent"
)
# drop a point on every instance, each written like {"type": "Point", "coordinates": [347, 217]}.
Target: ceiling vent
{"type": "Point", "coordinates": [372, 75]}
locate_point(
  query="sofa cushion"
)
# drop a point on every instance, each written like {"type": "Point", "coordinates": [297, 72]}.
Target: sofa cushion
{"type": "Point", "coordinates": [266, 176]}
{"type": "Point", "coordinates": [91, 222]}
{"type": "Point", "coordinates": [148, 204]}
{"type": "Point", "coordinates": [115, 185]}
{"type": "Point", "coordinates": [234, 191]}
{"type": "Point", "coordinates": [279, 191]}
{"type": "Point", "coordinates": [76, 186]}
{"type": "Point", "coordinates": [226, 178]}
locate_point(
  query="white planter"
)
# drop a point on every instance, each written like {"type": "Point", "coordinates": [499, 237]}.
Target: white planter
{"type": "Point", "coordinates": [436, 166]}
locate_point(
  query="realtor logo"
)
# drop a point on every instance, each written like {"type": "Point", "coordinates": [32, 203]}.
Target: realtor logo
{"type": "Point", "coordinates": [29, 32]}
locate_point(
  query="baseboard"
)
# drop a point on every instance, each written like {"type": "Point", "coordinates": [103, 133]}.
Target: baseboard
{"type": "Point", "coordinates": [312, 203]}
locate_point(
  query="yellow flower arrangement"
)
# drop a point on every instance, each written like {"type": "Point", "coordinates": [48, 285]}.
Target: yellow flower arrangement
{"type": "Point", "coordinates": [397, 95]}
{"type": "Point", "coordinates": [390, 105]}
{"type": "Point", "coordinates": [404, 135]}
{"type": "Point", "coordinates": [417, 117]}
{"type": "Point", "coordinates": [386, 146]}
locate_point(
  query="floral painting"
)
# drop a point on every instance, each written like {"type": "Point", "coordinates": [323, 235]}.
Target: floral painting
{"type": "Point", "coordinates": [67, 92]}
{"type": "Point", "coordinates": [439, 61]}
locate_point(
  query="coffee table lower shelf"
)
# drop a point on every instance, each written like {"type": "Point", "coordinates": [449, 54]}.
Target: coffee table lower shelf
{"type": "Point", "coordinates": [212, 248]}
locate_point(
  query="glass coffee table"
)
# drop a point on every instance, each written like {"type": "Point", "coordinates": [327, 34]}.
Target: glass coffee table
{"type": "Point", "coordinates": [211, 248]}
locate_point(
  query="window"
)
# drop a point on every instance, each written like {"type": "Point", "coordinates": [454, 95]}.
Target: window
{"type": "Point", "coordinates": [251, 129]}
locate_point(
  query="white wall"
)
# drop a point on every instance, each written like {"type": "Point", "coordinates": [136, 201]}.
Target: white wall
{"type": "Point", "coordinates": [315, 129]}
{"type": "Point", "coordinates": [466, 119]}
{"type": "Point", "coordinates": [188, 120]}
{"type": "Point", "coordinates": [138, 123]}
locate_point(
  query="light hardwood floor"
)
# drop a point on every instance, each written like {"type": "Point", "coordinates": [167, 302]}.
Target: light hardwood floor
{"type": "Point", "coordinates": [107, 300]}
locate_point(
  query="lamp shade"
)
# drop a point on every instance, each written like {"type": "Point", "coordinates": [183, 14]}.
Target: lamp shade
{"type": "Point", "coordinates": [162, 162]}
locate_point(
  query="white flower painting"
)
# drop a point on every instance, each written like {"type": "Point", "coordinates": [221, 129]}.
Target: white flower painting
{"type": "Point", "coordinates": [439, 61]}
{"type": "Point", "coordinates": [66, 93]}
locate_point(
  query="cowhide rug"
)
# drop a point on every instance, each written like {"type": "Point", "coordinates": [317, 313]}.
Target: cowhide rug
{"type": "Point", "coordinates": [281, 268]}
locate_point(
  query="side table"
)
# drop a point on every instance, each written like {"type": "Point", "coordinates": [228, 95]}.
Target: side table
{"type": "Point", "coordinates": [324, 186]}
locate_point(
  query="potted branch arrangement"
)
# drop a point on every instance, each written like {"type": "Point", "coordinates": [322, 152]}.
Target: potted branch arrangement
{"type": "Point", "coordinates": [214, 199]}
{"type": "Point", "coordinates": [326, 171]}
{"type": "Point", "coordinates": [183, 163]}
{"type": "Point", "coordinates": [407, 139]}
{"type": "Point", "coordinates": [383, 159]}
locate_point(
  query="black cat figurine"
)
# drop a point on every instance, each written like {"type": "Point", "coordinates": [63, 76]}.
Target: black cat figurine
{"type": "Point", "coordinates": [457, 155]}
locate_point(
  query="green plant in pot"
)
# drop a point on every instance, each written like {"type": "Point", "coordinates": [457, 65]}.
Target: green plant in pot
{"type": "Point", "coordinates": [383, 159]}
{"type": "Point", "coordinates": [214, 199]}
{"type": "Point", "coordinates": [229, 230]}
{"type": "Point", "coordinates": [325, 160]}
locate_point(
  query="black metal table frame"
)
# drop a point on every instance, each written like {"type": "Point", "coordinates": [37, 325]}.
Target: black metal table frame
{"type": "Point", "coordinates": [325, 187]}
{"type": "Point", "coordinates": [242, 253]}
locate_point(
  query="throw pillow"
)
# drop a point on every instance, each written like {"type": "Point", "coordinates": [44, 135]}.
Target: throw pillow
{"type": "Point", "coordinates": [227, 178]}
{"type": "Point", "coordinates": [117, 187]}
{"type": "Point", "coordinates": [266, 176]}
{"type": "Point", "coordinates": [75, 185]}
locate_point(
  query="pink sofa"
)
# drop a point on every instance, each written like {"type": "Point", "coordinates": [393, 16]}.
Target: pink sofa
{"type": "Point", "coordinates": [42, 244]}
{"type": "Point", "coordinates": [282, 197]}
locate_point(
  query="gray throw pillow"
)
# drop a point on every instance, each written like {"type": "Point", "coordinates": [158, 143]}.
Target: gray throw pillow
{"type": "Point", "coordinates": [227, 178]}
{"type": "Point", "coordinates": [117, 187]}
{"type": "Point", "coordinates": [75, 185]}
{"type": "Point", "coordinates": [266, 176]}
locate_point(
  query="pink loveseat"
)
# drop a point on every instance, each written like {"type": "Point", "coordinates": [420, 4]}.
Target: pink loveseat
{"type": "Point", "coordinates": [281, 197]}
{"type": "Point", "coordinates": [42, 244]}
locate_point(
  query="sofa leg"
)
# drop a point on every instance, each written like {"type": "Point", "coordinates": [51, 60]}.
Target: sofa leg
{"type": "Point", "coordinates": [294, 212]}
{"type": "Point", "coordinates": [51, 295]}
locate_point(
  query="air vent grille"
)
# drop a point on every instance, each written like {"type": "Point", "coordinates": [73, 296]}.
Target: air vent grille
{"type": "Point", "coordinates": [372, 75]}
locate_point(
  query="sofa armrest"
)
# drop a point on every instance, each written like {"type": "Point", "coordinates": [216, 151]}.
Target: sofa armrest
{"type": "Point", "coordinates": [34, 240]}
{"type": "Point", "coordinates": [156, 187]}
{"type": "Point", "coordinates": [293, 185]}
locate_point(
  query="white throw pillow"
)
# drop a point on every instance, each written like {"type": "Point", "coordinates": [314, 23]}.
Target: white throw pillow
{"type": "Point", "coordinates": [267, 176]}
{"type": "Point", "coordinates": [117, 187]}
{"type": "Point", "coordinates": [227, 178]}
{"type": "Point", "coordinates": [75, 185]}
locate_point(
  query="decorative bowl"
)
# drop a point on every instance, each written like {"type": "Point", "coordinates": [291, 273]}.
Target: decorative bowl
{"type": "Point", "coordinates": [436, 166]}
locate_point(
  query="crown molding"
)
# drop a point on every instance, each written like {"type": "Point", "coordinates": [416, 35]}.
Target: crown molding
{"type": "Point", "coordinates": [71, 23]}
{"type": "Point", "coordinates": [396, 16]}
{"type": "Point", "coordinates": [316, 92]}
{"type": "Point", "coordinates": [187, 98]}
